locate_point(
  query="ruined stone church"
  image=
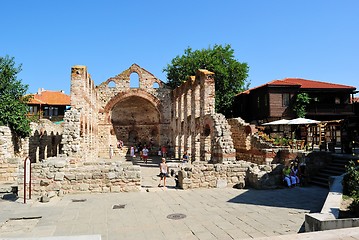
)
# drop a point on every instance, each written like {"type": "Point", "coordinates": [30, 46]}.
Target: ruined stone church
{"type": "Point", "coordinates": [183, 118]}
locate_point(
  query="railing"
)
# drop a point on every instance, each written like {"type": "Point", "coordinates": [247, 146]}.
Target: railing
{"type": "Point", "coordinates": [323, 108]}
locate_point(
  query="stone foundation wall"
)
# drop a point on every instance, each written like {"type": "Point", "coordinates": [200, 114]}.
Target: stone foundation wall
{"type": "Point", "coordinates": [58, 176]}
{"type": "Point", "coordinates": [238, 174]}
{"type": "Point", "coordinates": [9, 169]}
{"type": "Point", "coordinates": [206, 175]}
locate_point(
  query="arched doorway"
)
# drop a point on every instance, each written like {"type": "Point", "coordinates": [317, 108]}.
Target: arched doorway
{"type": "Point", "coordinates": [136, 120]}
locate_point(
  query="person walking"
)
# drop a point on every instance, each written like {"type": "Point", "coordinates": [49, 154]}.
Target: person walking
{"type": "Point", "coordinates": [163, 172]}
{"type": "Point", "coordinates": [145, 154]}
{"type": "Point", "coordinates": [132, 151]}
{"type": "Point", "coordinates": [164, 151]}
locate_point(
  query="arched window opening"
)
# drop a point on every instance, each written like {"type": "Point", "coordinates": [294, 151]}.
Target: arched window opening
{"type": "Point", "coordinates": [134, 80]}
{"type": "Point", "coordinates": [207, 131]}
{"type": "Point", "coordinates": [156, 85]}
{"type": "Point", "coordinates": [111, 84]}
{"type": "Point", "coordinates": [207, 143]}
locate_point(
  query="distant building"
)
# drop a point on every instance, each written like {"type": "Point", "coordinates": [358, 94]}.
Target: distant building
{"type": "Point", "coordinates": [49, 104]}
{"type": "Point", "coordinates": [274, 100]}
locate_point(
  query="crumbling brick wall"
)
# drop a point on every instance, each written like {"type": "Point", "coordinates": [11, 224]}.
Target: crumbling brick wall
{"type": "Point", "coordinates": [247, 144]}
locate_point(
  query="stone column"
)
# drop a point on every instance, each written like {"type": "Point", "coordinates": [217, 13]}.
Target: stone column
{"type": "Point", "coordinates": [189, 120]}
{"type": "Point", "coordinates": [197, 127]}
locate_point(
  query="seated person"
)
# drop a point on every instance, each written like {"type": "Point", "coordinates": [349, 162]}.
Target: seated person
{"type": "Point", "coordinates": [294, 171]}
{"type": "Point", "coordinates": [290, 180]}
{"type": "Point", "coordinates": [185, 157]}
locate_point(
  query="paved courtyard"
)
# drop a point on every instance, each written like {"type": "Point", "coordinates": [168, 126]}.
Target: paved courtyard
{"type": "Point", "coordinates": [208, 214]}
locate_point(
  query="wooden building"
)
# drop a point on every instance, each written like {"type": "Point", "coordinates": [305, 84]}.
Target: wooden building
{"type": "Point", "coordinates": [49, 104]}
{"type": "Point", "coordinates": [274, 100]}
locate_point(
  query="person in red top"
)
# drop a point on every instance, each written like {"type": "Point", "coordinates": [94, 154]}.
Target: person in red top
{"type": "Point", "coordinates": [164, 151]}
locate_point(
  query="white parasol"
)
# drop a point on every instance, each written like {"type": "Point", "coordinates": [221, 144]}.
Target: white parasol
{"type": "Point", "coordinates": [277, 122]}
{"type": "Point", "coordinates": [302, 121]}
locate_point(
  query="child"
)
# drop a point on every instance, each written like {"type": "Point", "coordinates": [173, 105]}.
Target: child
{"type": "Point", "coordinates": [163, 172]}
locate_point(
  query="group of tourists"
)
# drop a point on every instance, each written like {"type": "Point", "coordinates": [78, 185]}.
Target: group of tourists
{"type": "Point", "coordinates": [143, 151]}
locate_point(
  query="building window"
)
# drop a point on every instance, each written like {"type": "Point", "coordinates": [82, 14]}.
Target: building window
{"type": "Point", "coordinates": [285, 99]}
{"type": "Point", "coordinates": [266, 100]}
{"type": "Point", "coordinates": [51, 111]}
{"type": "Point", "coordinates": [46, 111]}
{"type": "Point", "coordinates": [258, 102]}
{"type": "Point", "coordinates": [33, 110]}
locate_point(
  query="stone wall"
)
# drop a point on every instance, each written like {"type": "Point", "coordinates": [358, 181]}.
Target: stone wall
{"type": "Point", "coordinates": [84, 98]}
{"type": "Point", "coordinates": [6, 144]}
{"type": "Point", "coordinates": [9, 169]}
{"type": "Point", "coordinates": [58, 176]}
{"type": "Point", "coordinates": [239, 174]}
{"type": "Point", "coordinates": [134, 114]}
{"type": "Point", "coordinates": [115, 111]}
{"type": "Point", "coordinates": [220, 148]}
{"type": "Point", "coordinates": [248, 145]}
{"type": "Point", "coordinates": [206, 175]}
{"type": "Point", "coordinates": [71, 139]}
{"type": "Point", "coordinates": [9, 162]}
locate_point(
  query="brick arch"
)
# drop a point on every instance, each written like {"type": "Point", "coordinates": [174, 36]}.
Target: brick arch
{"type": "Point", "coordinates": [137, 92]}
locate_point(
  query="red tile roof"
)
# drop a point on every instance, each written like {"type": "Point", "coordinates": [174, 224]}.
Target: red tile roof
{"type": "Point", "coordinates": [315, 84]}
{"type": "Point", "coordinates": [301, 83]}
{"type": "Point", "coordinates": [355, 99]}
{"type": "Point", "coordinates": [51, 98]}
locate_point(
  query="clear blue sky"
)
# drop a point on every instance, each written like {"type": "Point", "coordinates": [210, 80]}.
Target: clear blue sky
{"type": "Point", "coordinates": [311, 39]}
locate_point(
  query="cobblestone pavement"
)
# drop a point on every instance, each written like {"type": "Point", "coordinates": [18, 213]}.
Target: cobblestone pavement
{"type": "Point", "coordinates": [207, 214]}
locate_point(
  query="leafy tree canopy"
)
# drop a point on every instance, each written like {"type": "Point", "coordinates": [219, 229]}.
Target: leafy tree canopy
{"type": "Point", "coordinates": [13, 107]}
{"type": "Point", "coordinates": [230, 75]}
{"type": "Point", "coordinates": [300, 104]}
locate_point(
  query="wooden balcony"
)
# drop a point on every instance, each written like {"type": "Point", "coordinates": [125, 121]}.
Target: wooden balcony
{"type": "Point", "coordinates": [330, 109]}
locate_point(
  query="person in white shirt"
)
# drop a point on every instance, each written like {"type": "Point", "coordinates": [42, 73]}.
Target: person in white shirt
{"type": "Point", "coordinates": [145, 154]}
{"type": "Point", "coordinates": [163, 172]}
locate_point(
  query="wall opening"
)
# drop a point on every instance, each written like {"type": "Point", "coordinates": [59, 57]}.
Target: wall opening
{"type": "Point", "coordinates": [207, 143]}
{"type": "Point", "coordinates": [156, 85]}
{"type": "Point", "coordinates": [134, 80]}
{"type": "Point", "coordinates": [111, 84]}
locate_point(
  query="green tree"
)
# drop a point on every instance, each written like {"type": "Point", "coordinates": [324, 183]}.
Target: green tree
{"type": "Point", "coordinates": [13, 107]}
{"type": "Point", "coordinates": [300, 104]}
{"type": "Point", "coordinates": [230, 75]}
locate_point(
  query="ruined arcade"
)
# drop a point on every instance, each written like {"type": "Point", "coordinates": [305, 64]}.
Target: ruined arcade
{"type": "Point", "coordinates": [222, 152]}
{"type": "Point", "coordinates": [183, 119]}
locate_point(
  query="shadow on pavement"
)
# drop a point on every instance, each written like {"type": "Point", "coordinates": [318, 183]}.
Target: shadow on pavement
{"type": "Point", "coordinates": [306, 198]}
{"type": "Point", "coordinates": [11, 197]}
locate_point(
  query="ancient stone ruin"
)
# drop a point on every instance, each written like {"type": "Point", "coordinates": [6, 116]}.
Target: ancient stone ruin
{"type": "Point", "coordinates": [183, 119]}
{"type": "Point", "coordinates": [74, 157]}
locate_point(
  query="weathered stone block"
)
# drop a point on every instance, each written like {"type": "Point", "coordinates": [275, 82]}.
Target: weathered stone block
{"type": "Point", "coordinates": [221, 183]}
{"type": "Point", "coordinates": [70, 176]}
{"type": "Point", "coordinates": [59, 176]}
